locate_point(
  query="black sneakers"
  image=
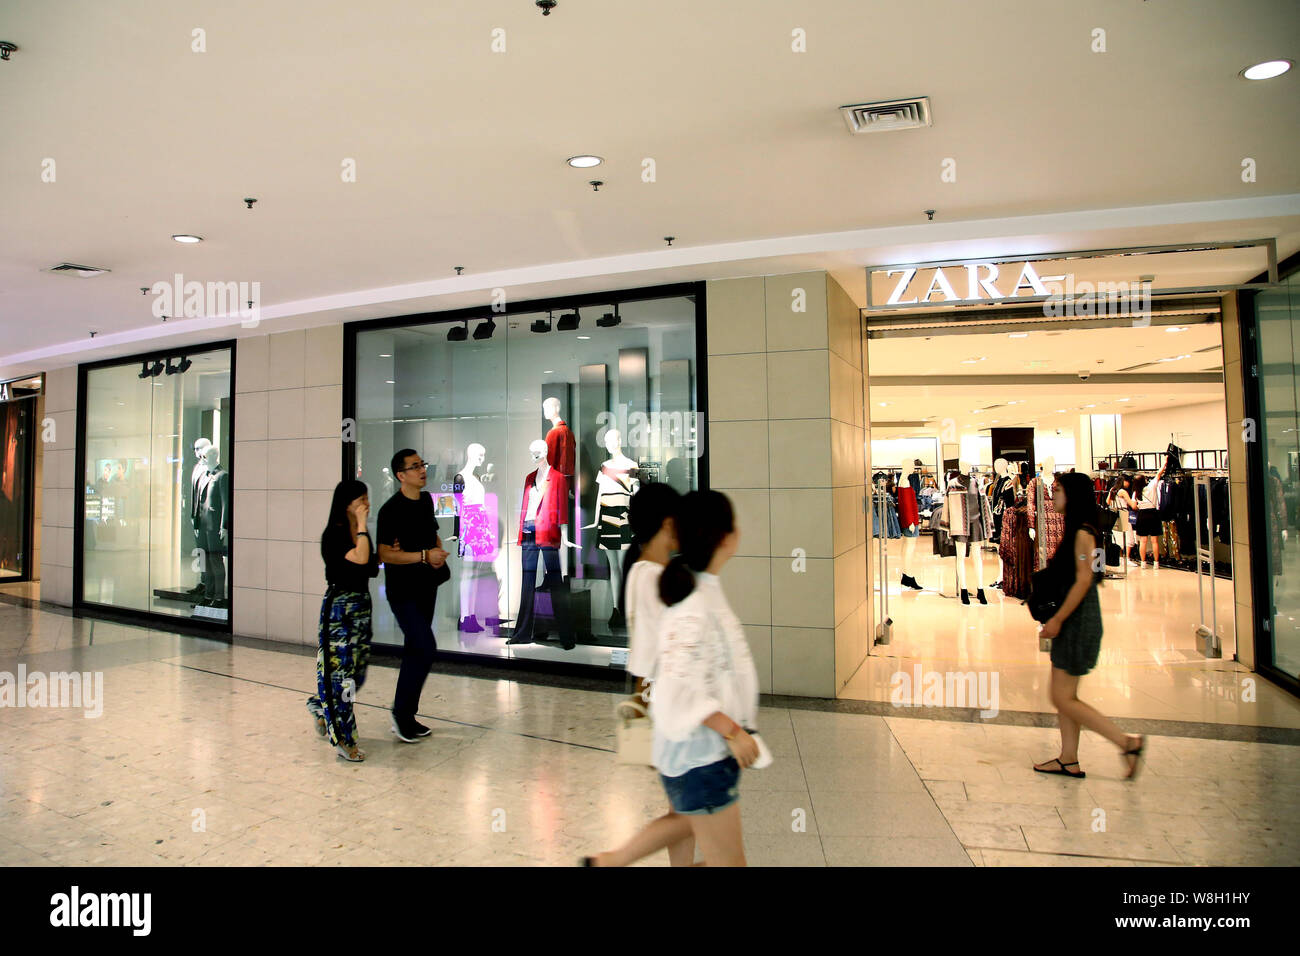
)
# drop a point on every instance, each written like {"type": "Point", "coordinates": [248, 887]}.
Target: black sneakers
{"type": "Point", "coordinates": [408, 731]}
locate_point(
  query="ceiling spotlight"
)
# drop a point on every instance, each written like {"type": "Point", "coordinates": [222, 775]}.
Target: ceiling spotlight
{"type": "Point", "coordinates": [182, 366]}
{"type": "Point", "coordinates": [568, 323]}
{"type": "Point", "coordinates": [1266, 70]}
{"type": "Point", "coordinates": [1176, 328]}
{"type": "Point", "coordinates": [584, 162]}
{"type": "Point", "coordinates": [609, 319]}
{"type": "Point", "coordinates": [972, 361]}
{"type": "Point", "coordinates": [540, 326]}
{"type": "Point", "coordinates": [188, 238]}
{"type": "Point", "coordinates": [144, 369]}
{"type": "Point", "coordinates": [459, 334]}
{"type": "Point", "coordinates": [1019, 335]}
{"type": "Point", "coordinates": [484, 330]}
{"type": "Point", "coordinates": [547, 6]}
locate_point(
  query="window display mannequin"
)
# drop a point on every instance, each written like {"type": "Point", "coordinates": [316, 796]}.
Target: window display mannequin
{"type": "Point", "coordinates": [214, 525]}
{"type": "Point", "coordinates": [1048, 519]}
{"type": "Point", "coordinates": [970, 521]}
{"type": "Point", "coordinates": [198, 475]}
{"type": "Point", "coordinates": [561, 456]}
{"type": "Point", "coordinates": [909, 521]}
{"type": "Point", "coordinates": [476, 542]}
{"type": "Point", "coordinates": [1001, 495]}
{"type": "Point", "coordinates": [541, 517]}
{"type": "Point", "coordinates": [615, 486]}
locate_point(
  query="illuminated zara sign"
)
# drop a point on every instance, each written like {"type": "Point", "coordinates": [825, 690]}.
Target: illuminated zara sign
{"type": "Point", "coordinates": [969, 282]}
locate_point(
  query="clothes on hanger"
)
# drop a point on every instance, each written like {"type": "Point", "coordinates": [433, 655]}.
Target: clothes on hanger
{"type": "Point", "coordinates": [1016, 551]}
{"type": "Point", "coordinates": [1052, 524]}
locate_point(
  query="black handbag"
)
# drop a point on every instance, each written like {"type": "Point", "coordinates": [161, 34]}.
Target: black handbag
{"type": "Point", "coordinates": [1112, 554]}
{"type": "Point", "coordinates": [1128, 462]}
{"type": "Point", "coordinates": [1047, 593]}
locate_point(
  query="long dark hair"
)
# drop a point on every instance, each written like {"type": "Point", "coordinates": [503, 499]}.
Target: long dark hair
{"type": "Point", "coordinates": [706, 518]}
{"type": "Point", "coordinates": [345, 492]}
{"type": "Point", "coordinates": [648, 509]}
{"type": "Point", "coordinates": [1080, 512]}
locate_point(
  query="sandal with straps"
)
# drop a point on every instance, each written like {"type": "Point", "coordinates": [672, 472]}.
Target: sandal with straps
{"type": "Point", "coordinates": [1136, 754]}
{"type": "Point", "coordinates": [1062, 772]}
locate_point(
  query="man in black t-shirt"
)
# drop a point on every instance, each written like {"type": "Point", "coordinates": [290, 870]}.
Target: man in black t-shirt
{"type": "Point", "coordinates": [410, 549]}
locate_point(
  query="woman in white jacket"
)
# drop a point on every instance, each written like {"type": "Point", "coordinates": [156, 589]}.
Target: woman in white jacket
{"type": "Point", "coordinates": [706, 692]}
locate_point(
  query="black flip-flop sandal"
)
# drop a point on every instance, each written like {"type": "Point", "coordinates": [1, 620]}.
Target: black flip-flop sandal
{"type": "Point", "coordinates": [1063, 772]}
{"type": "Point", "coordinates": [1135, 753]}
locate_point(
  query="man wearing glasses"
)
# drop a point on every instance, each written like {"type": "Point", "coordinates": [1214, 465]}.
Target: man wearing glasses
{"type": "Point", "coordinates": [410, 549]}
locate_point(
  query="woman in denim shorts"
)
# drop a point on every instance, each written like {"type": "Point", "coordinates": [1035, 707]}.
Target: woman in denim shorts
{"type": "Point", "coordinates": [706, 693]}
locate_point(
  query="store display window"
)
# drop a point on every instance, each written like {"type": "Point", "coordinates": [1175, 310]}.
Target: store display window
{"type": "Point", "coordinates": [537, 425]}
{"type": "Point", "coordinates": [156, 502]}
{"type": "Point", "coordinates": [17, 435]}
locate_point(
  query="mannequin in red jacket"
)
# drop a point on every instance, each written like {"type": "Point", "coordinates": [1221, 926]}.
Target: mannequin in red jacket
{"type": "Point", "coordinates": [561, 456]}
{"type": "Point", "coordinates": [542, 516]}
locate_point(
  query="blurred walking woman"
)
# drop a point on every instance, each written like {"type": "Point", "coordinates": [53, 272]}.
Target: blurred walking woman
{"type": "Point", "coordinates": [1076, 630]}
{"type": "Point", "coordinates": [705, 695]}
{"type": "Point", "coordinates": [344, 650]}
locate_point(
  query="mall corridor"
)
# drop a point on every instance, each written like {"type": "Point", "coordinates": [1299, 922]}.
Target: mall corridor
{"type": "Point", "coordinates": [203, 754]}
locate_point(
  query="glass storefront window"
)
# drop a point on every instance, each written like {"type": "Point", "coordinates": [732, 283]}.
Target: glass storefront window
{"type": "Point", "coordinates": [157, 492]}
{"type": "Point", "coordinates": [617, 399]}
{"type": "Point", "coordinates": [1278, 322]}
{"type": "Point", "coordinates": [17, 421]}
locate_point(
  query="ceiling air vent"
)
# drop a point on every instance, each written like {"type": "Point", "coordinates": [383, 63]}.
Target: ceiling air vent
{"type": "Point", "coordinates": [72, 269]}
{"type": "Point", "coordinates": [887, 116]}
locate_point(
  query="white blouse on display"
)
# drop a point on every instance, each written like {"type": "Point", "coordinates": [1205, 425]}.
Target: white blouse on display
{"type": "Point", "coordinates": [644, 610]}
{"type": "Point", "coordinates": [704, 667]}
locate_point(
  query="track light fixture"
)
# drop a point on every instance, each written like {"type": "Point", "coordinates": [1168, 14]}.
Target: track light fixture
{"type": "Point", "coordinates": [181, 367]}
{"type": "Point", "coordinates": [568, 323]}
{"type": "Point", "coordinates": [609, 319]}
{"type": "Point", "coordinates": [540, 326]}
{"type": "Point", "coordinates": [459, 334]}
{"type": "Point", "coordinates": [484, 330]}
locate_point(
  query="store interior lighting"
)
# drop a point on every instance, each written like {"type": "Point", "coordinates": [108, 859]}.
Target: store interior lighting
{"type": "Point", "coordinates": [484, 330]}
{"type": "Point", "coordinates": [458, 334]}
{"type": "Point", "coordinates": [542, 326]}
{"type": "Point", "coordinates": [568, 323]}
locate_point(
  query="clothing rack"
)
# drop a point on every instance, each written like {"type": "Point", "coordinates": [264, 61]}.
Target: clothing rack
{"type": "Point", "coordinates": [1151, 461]}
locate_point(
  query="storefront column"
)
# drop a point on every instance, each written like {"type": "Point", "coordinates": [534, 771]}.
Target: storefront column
{"type": "Point", "coordinates": [288, 423]}
{"type": "Point", "coordinates": [787, 444]}
{"type": "Point", "coordinates": [1242, 572]}
{"type": "Point", "coordinates": [58, 497]}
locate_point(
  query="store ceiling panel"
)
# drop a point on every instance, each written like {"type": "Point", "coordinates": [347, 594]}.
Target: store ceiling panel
{"type": "Point", "coordinates": [459, 150]}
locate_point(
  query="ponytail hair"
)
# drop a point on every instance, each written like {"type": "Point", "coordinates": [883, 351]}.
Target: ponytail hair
{"type": "Point", "coordinates": [706, 518]}
{"type": "Point", "coordinates": [648, 509]}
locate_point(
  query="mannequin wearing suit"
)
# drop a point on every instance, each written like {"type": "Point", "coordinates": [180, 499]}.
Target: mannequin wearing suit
{"type": "Point", "coordinates": [214, 524]}
{"type": "Point", "coordinates": [198, 477]}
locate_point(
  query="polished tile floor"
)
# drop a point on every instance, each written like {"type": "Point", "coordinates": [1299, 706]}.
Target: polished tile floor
{"type": "Point", "coordinates": [1149, 668]}
{"type": "Point", "coordinates": [205, 755]}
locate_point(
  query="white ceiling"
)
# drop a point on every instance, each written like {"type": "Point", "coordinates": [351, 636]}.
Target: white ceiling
{"type": "Point", "coordinates": [460, 150]}
{"type": "Point", "coordinates": [1041, 353]}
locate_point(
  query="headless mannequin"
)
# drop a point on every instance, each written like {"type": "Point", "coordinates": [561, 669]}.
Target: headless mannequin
{"type": "Point", "coordinates": [909, 532]}
{"type": "Point", "coordinates": [551, 410]}
{"type": "Point", "coordinates": [963, 542]}
{"type": "Point", "coordinates": [214, 524]}
{"type": "Point", "coordinates": [524, 631]}
{"type": "Point", "coordinates": [477, 532]}
{"type": "Point", "coordinates": [615, 486]}
{"type": "Point", "coordinates": [1048, 477]}
{"type": "Point", "coordinates": [198, 476]}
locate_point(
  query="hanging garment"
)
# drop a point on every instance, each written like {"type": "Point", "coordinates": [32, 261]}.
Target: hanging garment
{"type": "Point", "coordinates": [942, 543]}
{"type": "Point", "coordinates": [1016, 551]}
{"type": "Point", "coordinates": [551, 513]}
{"type": "Point", "coordinates": [970, 517]}
{"type": "Point", "coordinates": [1001, 496]}
{"type": "Point", "coordinates": [891, 518]}
{"type": "Point", "coordinates": [1052, 526]}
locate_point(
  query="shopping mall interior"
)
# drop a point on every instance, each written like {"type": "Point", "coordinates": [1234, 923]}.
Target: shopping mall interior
{"type": "Point", "coordinates": [433, 293]}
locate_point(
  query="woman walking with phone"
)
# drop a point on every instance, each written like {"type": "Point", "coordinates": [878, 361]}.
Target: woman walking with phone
{"type": "Point", "coordinates": [705, 695]}
{"type": "Point", "coordinates": [1075, 629]}
{"type": "Point", "coordinates": [344, 649]}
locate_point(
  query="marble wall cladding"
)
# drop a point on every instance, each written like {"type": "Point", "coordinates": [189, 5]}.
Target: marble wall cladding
{"type": "Point", "coordinates": [1234, 396]}
{"type": "Point", "coordinates": [785, 384]}
{"type": "Point", "coordinates": [58, 500]}
{"type": "Point", "coordinates": [288, 418]}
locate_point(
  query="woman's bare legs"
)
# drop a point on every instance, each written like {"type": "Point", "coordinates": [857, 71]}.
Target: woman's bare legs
{"type": "Point", "coordinates": [1074, 713]}
{"type": "Point", "coordinates": [671, 831]}
{"type": "Point", "coordinates": [719, 837]}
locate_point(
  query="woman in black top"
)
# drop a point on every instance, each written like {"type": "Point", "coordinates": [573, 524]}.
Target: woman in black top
{"type": "Point", "coordinates": [344, 650]}
{"type": "Point", "coordinates": [1075, 629]}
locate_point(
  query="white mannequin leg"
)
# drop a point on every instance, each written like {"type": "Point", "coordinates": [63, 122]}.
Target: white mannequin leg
{"type": "Point", "coordinates": [909, 552]}
{"type": "Point", "coordinates": [963, 548]}
{"type": "Point", "coordinates": [466, 588]}
{"type": "Point", "coordinates": [615, 559]}
{"type": "Point", "coordinates": [977, 560]}
{"type": "Point", "coordinates": [564, 550]}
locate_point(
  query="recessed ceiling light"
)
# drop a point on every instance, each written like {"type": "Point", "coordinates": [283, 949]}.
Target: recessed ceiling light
{"type": "Point", "coordinates": [1121, 399]}
{"type": "Point", "coordinates": [1019, 335]}
{"type": "Point", "coordinates": [389, 382]}
{"type": "Point", "coordinates": [584, 162]}
{"type": "Point", "coordinates": [188, 238]}
{"type": "Point", "coordinates": [385, 354]}
{"type": "Point", "coordinates": [972, 361]}
{"type": "Point", "coordinates": [1060, 411]}
{"type": "Point", "coordinates": [584, 336]}
{"type": "Point", "coordinates": [548, 371]}
{"type": "Point", "coordinates": [884, 404]}
{"type": "Point", "coordinates": [1266, 70]}
{"type": "Point", "coordinates": [976, 411]}
{"type": "Point", "coordinates": [1093, 405]}
{"type": "Point", "coordinates": [1176, 328]}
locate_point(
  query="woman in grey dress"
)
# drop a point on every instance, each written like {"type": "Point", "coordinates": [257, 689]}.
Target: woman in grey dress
{"type": "Point", "coordinates": [1075, 630]}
